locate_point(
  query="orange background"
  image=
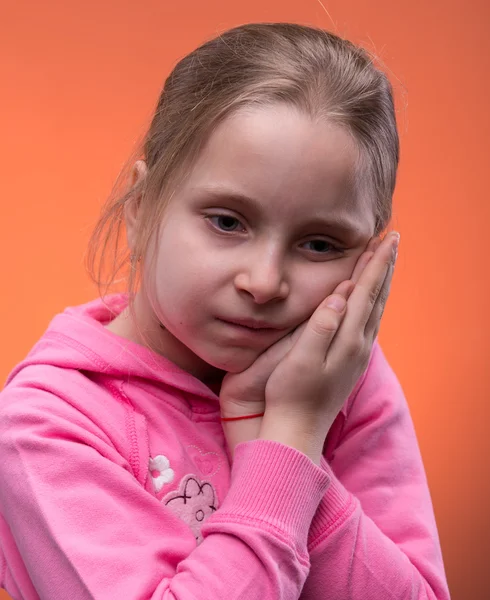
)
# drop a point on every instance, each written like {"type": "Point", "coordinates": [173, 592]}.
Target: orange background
{"type": "Point", "coordinates": [79, 81]}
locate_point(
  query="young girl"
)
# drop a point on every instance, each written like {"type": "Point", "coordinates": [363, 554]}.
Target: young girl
{"type": "Point", "coordinates": [230, 428]}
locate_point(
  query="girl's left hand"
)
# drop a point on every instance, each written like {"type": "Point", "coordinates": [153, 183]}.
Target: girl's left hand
{"type": "Point", "coordinates": [243, 393]}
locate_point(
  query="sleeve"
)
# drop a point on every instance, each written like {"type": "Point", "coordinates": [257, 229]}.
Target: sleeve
{"type": "Point", "coordinates": [374, 535]}
{"type": "Point", "coordinates": [80, 526]}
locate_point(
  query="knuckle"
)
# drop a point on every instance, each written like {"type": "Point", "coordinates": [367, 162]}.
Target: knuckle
{"type": "Point", "coordinates": [383, 296]}
{"type": "Point", "coordinates": [383, 299]}
{"type": "Point", "coordinates": [354, 346]}
{"type": "Point", "coordinates": [380, 309]}
{"type": "Point", "coordinates": [374, 294]}
{"type": "Point", "coordinates": [326, 324]}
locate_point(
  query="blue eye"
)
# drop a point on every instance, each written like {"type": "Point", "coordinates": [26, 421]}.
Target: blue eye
{"type": "Point", "coordinates": [225, 222]}
{"type": "Point", "coordinates": [321, 246]}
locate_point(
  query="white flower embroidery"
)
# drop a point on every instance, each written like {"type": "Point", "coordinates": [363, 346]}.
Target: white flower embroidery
{"type": "Point", "coordinates": [160, 464]}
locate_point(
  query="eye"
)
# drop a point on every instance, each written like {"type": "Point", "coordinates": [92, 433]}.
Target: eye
{"type": "Point", "coordinates": [225, 222]}
{"type": "Point", "coordinates": [321, 247]}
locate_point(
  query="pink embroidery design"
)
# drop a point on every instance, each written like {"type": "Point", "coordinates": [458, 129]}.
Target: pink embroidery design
{"type": "Point", "coordinates": [193, 502]}
{"type": "Point", "coordinates": [208, 463]}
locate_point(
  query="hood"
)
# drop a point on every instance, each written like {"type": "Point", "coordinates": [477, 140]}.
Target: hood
{"type": "Point", "coordinates": [77, 339]}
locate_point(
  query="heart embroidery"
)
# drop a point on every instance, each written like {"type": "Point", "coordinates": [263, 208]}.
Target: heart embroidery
{"type": "Point", "coordinates": [208, 463]}
{"type": "Point", "coordinates": [161, 465]}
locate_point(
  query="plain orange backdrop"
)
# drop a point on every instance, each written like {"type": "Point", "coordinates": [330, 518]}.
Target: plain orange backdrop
{"type": "Point", "coordinates": [78, 83]}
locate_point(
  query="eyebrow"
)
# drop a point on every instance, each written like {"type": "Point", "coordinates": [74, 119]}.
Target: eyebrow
{"type": "Point", "coordinates": [336, 223]}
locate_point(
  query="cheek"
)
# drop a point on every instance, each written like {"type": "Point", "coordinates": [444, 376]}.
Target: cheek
{"type": "Point", "coordinates": [176, 267]}
{"type": "Point", "coordinates": [186, 259]}
{"type": "Point", "coordinates": [316, 286]}
{"type": "Point", "coordinates": [181, 288]}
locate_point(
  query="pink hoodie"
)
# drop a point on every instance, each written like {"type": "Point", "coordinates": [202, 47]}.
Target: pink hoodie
{"type": "Point", "coordinates": [116, 483]}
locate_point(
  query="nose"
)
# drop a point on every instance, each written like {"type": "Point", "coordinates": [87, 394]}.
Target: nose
{"type": "Point", "coordinates": [263, 277]}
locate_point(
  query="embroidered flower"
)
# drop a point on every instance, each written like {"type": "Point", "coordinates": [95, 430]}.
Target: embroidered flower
{"type": "Point", "coordinates": [194, 502]}
{"type": "Point", "coordinates": [160, 471]}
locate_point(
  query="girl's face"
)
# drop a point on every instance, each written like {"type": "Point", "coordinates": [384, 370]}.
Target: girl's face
{"type": "Point", "coordinates": [263, 228]}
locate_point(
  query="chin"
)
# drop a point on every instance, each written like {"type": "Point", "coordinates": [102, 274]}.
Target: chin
{"type": "Point", "coordinates": [233, 362]}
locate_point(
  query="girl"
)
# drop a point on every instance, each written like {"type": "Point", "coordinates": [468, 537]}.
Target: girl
{"type": "Point", "coordinates": [230, 428]}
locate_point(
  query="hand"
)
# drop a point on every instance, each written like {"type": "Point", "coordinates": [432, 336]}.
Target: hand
{"type": "Point", "coordinates": [316, 376]}
{"type": "Point", "coordinates": [244, 393]}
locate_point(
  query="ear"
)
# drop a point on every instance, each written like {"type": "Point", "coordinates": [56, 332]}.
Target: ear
{"type": "Point", "coordinates": [131, 208]}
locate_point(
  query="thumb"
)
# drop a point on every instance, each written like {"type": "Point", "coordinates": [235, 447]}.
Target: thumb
{"type": "Point", "coordinates": [318, 334]}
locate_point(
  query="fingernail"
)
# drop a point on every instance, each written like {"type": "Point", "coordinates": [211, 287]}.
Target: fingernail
{"type": "Point", "coordinates": [395, 242]}
{"type": "Point", "coordinates": [337, 303]}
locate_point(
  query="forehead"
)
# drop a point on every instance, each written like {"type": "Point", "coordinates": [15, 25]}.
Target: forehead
{"type": "Point", "coordinates": [286, 161]}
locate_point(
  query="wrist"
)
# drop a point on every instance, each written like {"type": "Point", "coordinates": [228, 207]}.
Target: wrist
{"type": "Point", "coordinates": [239, 428]}
{"type": "Point", "coordinates": [240, 410]}
{"type": "Point", "coordinates": [305, 433]}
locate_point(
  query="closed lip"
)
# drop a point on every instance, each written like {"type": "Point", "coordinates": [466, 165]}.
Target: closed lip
{"type": "Point", "coordinates": [250, 323]}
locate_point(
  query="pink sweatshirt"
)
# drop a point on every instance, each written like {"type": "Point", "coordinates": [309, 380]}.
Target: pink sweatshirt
{"type": "Point", "coordinates": [116, 483]}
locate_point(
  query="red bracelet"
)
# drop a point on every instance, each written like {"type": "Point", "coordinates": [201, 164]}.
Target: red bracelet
{"type": "Point", "coordinates": [240, 418]}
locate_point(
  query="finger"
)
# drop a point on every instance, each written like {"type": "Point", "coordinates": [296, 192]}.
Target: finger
{"type": "Point", "coordinates": [365, 257]}
{"type": "Point", "coordinates": [361, 265]}
{"type": "Point", "coordinates": [363, 298]}
{"type": "Point", "coordinates": [316, 337]}
{"type": "Point", "coordinates": [343, 289]}
{"type": "Point", "coordinates": [374, 243]}
{"type": "Point", "coordinates": [374, 322]}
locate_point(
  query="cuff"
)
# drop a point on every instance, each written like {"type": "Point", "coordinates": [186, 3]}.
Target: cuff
{"type": "Point", "coordinates": [336, 505]}
{"type": "Point", "coordinates": [276, 484]}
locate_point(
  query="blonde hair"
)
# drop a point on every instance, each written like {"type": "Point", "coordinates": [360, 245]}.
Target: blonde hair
{"type": "Point", "coordinates": [253, 64]}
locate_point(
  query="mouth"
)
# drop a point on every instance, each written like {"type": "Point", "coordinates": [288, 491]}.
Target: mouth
{"type": "Point", "coordinates": [250, 325]}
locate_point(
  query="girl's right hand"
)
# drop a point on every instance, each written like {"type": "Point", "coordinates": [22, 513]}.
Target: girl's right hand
{"type": "Point", "coordinates": [308, 387]}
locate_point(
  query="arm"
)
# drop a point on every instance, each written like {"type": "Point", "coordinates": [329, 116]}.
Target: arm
{"type": "Point", "coordinates": [75, 522]}
{"type": "Point", "coordinates": [374, 534]}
